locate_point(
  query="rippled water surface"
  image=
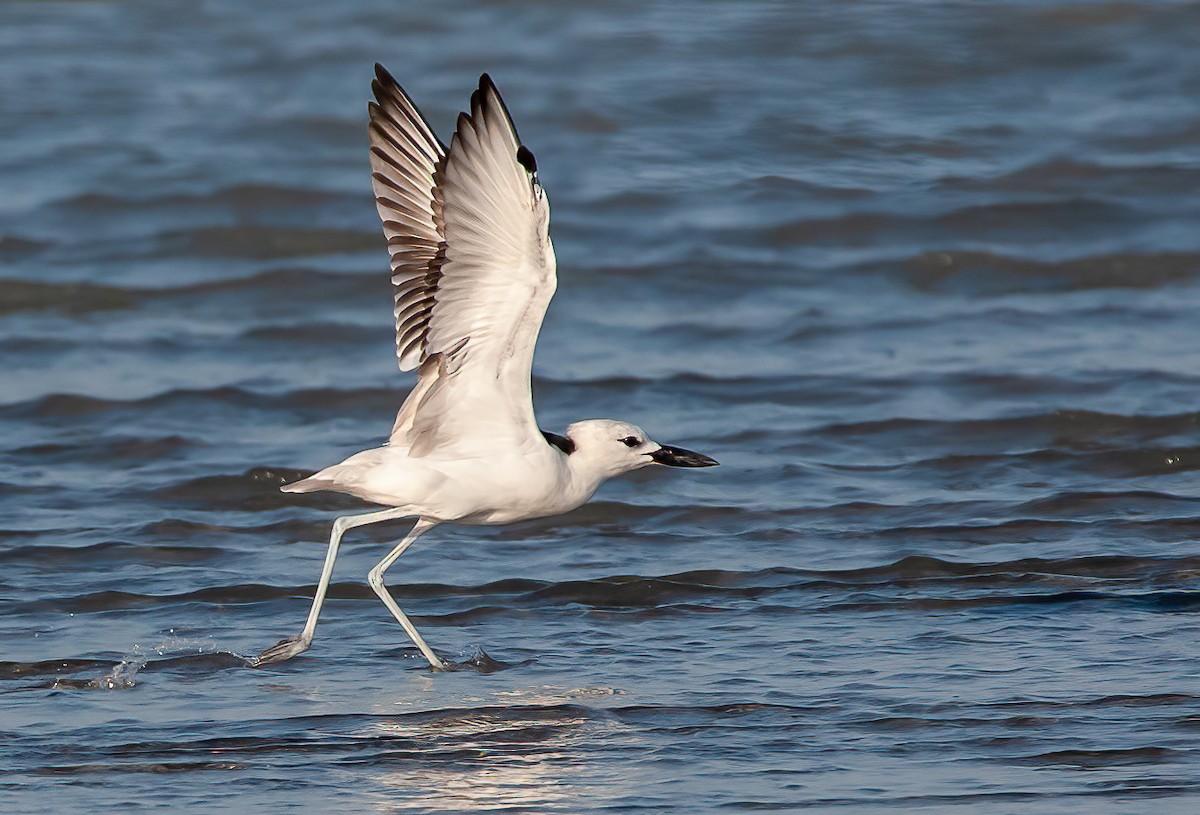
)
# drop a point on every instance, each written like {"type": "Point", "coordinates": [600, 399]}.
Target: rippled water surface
{"type": "Point", "coordinates": [924, 277]}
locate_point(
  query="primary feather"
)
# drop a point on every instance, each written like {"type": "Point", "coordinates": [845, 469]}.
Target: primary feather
{"type": "Point", "coordinates": [473, 268]}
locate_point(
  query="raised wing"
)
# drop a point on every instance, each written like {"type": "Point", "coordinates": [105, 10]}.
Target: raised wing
{"type": "Point", "coordinates": [472, 267]}
{"type": "Point", "coordinates": [405, 155]}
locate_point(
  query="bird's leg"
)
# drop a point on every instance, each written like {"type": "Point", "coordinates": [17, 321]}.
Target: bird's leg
{"type": "Point", "coordinates": [290, 647]}
{"type": "Point", "coordinates": [375, 578]}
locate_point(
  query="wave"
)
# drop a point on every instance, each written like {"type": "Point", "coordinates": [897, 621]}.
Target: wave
{"type": "Point", "coordinates": [1116, 757]}
{"type": "Point", "coordinates": [262, 242]}
{"type": "Point", "coordinates": [71, 405]}
{"type": "Point", "coordinates": [990, 274]}
{"type": "Point", "coordinates": [302, 285]}
{"type": "Point", "coordinates": [1032, 219]}
{"type": "Point", "coordinates": [1066, 175]}
{"type": "Point", "coordinates": [106, 448]}
{"type": "Point", "coordinates": [18, 295]}
{"type": "Point", "coordinates": [949, 584]}
{"type": "Point", "coordinates": [110, 553]}
{"type": "Point", "coordinates": [77, 404]}
{"type": "Point", "coordinates": [1080, 429]}
{"type": "Point", "coordinates": [13, 246]}
{"type": "Point", "coordinates": [254, 196]}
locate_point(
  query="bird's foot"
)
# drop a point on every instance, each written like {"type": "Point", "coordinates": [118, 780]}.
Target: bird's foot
{"type": "Point", "coordinates": [283, 650]}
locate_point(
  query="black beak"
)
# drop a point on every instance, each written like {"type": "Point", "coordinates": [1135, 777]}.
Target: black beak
{"type": "Point", "coordinates": [678, 457]}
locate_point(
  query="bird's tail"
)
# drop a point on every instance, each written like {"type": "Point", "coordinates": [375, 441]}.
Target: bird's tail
{"type": "Point", "coordinates": [310, 484]}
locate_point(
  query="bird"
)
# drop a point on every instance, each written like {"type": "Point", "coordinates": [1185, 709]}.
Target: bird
{"type": "Point", "coordinates": [472, 272]}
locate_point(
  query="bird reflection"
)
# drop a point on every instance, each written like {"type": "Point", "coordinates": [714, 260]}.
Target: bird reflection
{"type": "Point", "coordinates": [529, 756]}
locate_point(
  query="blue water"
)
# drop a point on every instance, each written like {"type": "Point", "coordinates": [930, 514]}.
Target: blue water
{"type": "Point", "coordinates": [924, 277]}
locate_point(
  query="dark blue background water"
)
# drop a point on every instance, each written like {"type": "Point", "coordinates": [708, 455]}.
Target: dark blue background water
{"type": "Point", "coordinates": [923, 276]}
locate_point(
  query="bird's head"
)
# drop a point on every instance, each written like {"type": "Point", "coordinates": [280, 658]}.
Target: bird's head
{"type": "Point", "coordinates": [611, 448]}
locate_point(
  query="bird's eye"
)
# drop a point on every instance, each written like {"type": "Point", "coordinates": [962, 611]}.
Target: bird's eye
{"type": "Point", "coordinates": [630, 441]}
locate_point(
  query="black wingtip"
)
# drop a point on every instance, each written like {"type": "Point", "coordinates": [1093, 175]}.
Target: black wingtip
{"type": "Point", "coordinates": [525, 159]}
{"type": "Point", "coordinates": [384, 86]}
{"type": "Point", "coordinates": [485, 85]}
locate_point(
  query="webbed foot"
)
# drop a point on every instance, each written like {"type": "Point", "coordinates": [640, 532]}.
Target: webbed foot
{"type": "Point", "coordinates": [283, 650]}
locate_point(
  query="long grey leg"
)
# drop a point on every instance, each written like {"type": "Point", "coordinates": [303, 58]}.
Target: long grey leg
{"type": "Point", "coordinates": [375, 578]}
{"type": "Point", "coordinates": [290, 647]}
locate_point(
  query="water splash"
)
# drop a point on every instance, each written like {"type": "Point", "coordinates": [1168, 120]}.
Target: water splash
{"type": "Point", "coordinates": [481, 662]}
{"type": "Point", "coordinates": [123, 675]}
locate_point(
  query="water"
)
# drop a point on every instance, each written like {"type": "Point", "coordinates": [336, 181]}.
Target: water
{"type": "Point", "coordinates": [923, 277]}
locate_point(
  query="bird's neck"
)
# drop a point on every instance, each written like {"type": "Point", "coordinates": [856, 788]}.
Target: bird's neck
{"type": "Point", "coordinates": [585, 475]}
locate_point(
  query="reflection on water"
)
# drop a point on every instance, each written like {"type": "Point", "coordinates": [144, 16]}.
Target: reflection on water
{"type": "Point", "coordinates": [532, 755]}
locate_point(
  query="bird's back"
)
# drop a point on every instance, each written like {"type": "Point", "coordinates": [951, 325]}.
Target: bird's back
{"type": "Point", "coordinates": [486, 489]}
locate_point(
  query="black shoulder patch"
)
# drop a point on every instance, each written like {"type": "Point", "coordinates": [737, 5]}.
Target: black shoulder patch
{"type": "Point", "coordinates": [526, 159]}
{"type": "Point", "coordinates": [561, 442]}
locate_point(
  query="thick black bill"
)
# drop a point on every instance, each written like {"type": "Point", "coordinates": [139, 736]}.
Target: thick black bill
{"type": "Point", "coordinates": [678, 457]}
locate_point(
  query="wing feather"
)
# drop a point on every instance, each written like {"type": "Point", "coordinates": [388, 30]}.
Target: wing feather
{"type": "Point", "coordinates": [472, 268]}
{"type": "Point", "coordinates": [405, 156]}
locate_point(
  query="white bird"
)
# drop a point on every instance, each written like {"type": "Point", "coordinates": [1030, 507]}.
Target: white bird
{"type": "Point", "coordinates": [473, 271]}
